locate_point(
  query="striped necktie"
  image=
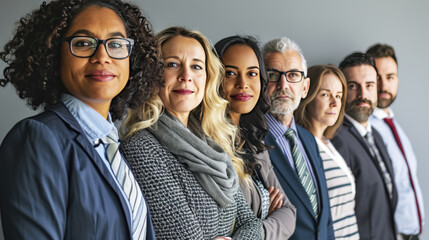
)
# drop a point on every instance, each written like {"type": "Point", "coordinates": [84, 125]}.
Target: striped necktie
{"type": "Point", "coordinates": [128, 183]}
{"type": "Point", "coordinates": [302, 170]}
{"type": "Point", "coordinates": [376, 154]}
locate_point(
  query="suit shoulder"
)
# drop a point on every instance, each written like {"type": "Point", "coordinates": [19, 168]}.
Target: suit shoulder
{"type": "Point", "coordinates": [142, 138]}
{"type": "Point", "coordinates": [43, 123]}
{"type": "Point", "coordinates": [143, 146]}
{"type": "Point", "coordinates": [346, 143]}
{"type": "Point", "coordinates": [376, 133]}
{"type": "Point", "coordinates": [46, 118]}
{"type": "Point", "coordinates": [303, 132]}
{"type": "Point", "coordinates": [306, 137]}
{"type": "Point", "coordinates": [341, 134]}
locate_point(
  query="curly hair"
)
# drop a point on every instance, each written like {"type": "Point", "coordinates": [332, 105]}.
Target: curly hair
{"type": "Point", "coordinates": [316, 74]}
{"type": "Point", "coordinates": [252, 125]}
{"type": "Point", "coordinates": [211, 112]}
{"type": "Point", "coordinates": [33, 55]}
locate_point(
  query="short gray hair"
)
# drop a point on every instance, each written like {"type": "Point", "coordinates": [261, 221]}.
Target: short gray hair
{"type": "Point", "coordinates": [283, 44]}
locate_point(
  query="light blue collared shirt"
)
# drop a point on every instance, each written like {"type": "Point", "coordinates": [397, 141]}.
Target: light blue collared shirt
{"type": "Point", "coordinates": [278, 130]}
{"type": "Point", "coordinates": [95, 128]}
{"type": "Point", "coordinates": [406, 216]}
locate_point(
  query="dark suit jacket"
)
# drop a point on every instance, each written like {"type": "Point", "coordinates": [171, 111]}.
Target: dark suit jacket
{"type": "Point", "coordinates": [54, 185]}
{"type": "Point", "coordinates": [307, 226]}
{"type": "Point", "coordinates": [374, 210]}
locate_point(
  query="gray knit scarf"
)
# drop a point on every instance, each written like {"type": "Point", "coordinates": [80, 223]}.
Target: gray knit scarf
{"type": "Point", "coordinates": [208, 161]}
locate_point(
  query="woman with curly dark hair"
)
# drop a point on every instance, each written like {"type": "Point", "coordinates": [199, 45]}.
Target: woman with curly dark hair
{"type": "Point", "coordinates": [61, 176]}
{"type": "Point", "coordinates": [244, 87]}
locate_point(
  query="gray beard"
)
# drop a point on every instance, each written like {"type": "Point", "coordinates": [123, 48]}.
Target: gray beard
{"type": "Point", "coordinates": [282, 107]}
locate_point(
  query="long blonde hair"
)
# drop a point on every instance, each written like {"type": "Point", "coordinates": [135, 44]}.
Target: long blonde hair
{"type": "Point", "coordinates": [211, 112]}
{"type": "Point", "coordinates": [141, 117]}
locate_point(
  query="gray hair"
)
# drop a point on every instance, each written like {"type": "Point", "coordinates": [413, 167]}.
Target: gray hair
{"type": "Point", "coordinates": [283, 44]}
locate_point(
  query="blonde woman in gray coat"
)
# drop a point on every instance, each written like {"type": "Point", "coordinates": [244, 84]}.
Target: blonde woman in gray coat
{"type": "Point", "coordinates": [180, 148]}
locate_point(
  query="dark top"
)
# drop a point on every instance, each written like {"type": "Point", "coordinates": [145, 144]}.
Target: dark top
{"type": "Point", "coordinates": [54, 184]}
{"type": "Point", "coordinates": [374, 210]}
{"type": "Point", "coordinates": [307, 226]}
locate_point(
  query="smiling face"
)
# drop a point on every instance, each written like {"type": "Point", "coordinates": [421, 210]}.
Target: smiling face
{"type": "Point", "coordinates": [98, 79]}
{"type": "Point", "coordinates": [361, 92]}
{"type": "Point", "coordinates": [184, 74]}
{"type": "Point", "coordinates": [285, 96]}
{"type": "Point", "coordinates": [242, 84]}
{"type": "Point", "coordinates": [325, 107]}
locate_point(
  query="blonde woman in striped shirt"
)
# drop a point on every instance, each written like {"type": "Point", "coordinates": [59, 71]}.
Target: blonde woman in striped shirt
{"type": "Point", "coordinates": [322, 113]}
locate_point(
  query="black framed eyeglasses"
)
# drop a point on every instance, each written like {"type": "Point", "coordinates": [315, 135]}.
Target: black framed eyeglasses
{"type": "Point", "coordinates": [292, 76]}
{"type": "Point", "coordinates": [85, 47]}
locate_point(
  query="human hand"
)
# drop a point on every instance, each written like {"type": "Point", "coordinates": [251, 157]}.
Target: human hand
{"type": "Point", "coordinates": [222, 238]}
{"type": "Point", "coordinates": [276, 200]}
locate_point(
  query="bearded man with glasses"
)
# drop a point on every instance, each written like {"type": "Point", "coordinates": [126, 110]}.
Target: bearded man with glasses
{"type": "Point", "coordinates": [295, 156]}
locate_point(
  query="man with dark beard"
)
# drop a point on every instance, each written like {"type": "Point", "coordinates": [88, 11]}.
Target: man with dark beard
{"type": "Point", "coordinates": [409, 215]}
{"type": "Point", "coordinates": [364, 151]}
{"type": "Point", "coordinates": [295, 156]}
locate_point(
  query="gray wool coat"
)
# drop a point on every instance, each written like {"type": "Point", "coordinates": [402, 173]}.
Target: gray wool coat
{"type": "Point", "coordinates": [180, 207]}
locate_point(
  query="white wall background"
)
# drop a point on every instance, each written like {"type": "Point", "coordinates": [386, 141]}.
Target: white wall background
{"type": "Point", "coordinates": [327, 31]}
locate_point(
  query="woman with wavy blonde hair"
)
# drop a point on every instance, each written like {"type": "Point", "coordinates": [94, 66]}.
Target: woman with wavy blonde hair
{"type": "Point", "coordinates": [181, 153]}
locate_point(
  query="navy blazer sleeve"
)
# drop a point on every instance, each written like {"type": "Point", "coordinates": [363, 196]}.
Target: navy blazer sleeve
{"type": "Point", "coordinates": [33, 176]}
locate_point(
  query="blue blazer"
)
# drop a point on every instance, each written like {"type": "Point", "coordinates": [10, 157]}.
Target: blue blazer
{"type": "Point", "coordinates": [54, 185]}
{"type": "Point", "coordinates": [307, 226]}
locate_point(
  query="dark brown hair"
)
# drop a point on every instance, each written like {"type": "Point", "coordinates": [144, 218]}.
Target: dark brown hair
{"type": "Point", "coordinates": [382, 50]}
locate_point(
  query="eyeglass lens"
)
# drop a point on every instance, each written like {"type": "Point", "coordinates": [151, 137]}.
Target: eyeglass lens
{"type": "Point", "coordinates": [291, 76]}
{"type": "Point", "coordinates": [86, 46]}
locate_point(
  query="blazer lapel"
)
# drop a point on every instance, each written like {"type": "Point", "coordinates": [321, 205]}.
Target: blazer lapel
{"type": "Point", "coordinates": [313, 156]}
{"type": "Point", "coordinates": [83, 142]}
{"type": "Point", "coordinates": [280, 161]}
{"type": "Point", "coordinates": [357, 135]}
{"type": "Point", "coordinates": [388, 162]}
{"type": "Point", "coordinates": [380, 145]}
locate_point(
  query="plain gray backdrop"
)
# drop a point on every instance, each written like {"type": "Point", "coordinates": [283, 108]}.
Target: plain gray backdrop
{"type": "Point", "coordinates": [327, 31]}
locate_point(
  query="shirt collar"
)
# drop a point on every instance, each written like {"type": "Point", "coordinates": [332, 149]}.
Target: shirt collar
{"type": "Point", "coordinates": [93, 124]}
{"type": "Point", "coordinates": [381, 114]}
{"type": "Point", "coordinates": [359, 127]}
{"type": "Point", "coordinates": [277, 128]}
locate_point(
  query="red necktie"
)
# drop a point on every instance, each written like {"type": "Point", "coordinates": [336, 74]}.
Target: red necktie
{"type": "Point", "coordinates": [389, 121]}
